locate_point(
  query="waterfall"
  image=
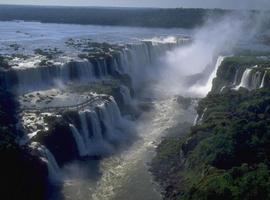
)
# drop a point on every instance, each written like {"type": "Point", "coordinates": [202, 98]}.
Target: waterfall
{"type": "Point", "coordinates": [201, 118]}
{"type": "Point", "coordinates": [79, 141]}
{"type": "Point", "coordinates": [196, 120]}
{"type": "Point", "coordinates": [221, 90]}
{"type": "Point", "coordinates": [84, 127]}
{"type": "Point", "coordinates": [125, 65]}
{"type": "Point", "coordinates": [245, 79]}
{"type": "Point", "coordinates": [110, 115]}
{"type": "Point", "coordinates": [263, 79]}
{"type": "Point", "coordinates": [86, 71]}
{"type": "Point", "coordinates": [47, 157]}
{"type": "Point", "coordinates": [236, 77]}
{"type": "Point", "coordinates": [99, 130]}
{"type": "Point", "coordinates": [256, 80]}
{"type": "Point", "coordinates": [44, 77]}
{"type": "Point", "coordinates": [96, 127]}
{"type": "Point", "coordinates": [214, 73]}
{"type": "Point", "coordinates": [136, 59]}
{"type": "Point", "coordinates": [203, 90]}
{"type": "Point", "coordinates": [125, 95]}
{"type": "Point", "coordinates": [131, 60]}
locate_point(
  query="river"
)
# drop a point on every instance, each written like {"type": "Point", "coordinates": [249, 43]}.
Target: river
{"type": "Point", "coordinates": [126, 175]}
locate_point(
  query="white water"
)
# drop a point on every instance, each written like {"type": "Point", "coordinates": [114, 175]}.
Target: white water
{"type": "Point", "coordinates": [196, 120]}
{"type": "Point", "coordinates": [263, 79]}
{"type": "Point", "coordinates": [245, 80]}
{"type": "Point", "coordinates": [46, 156]}
{"type": "Point", "coordinates": [236, 77]}
{"type": "Point", "coordinates": [134, 59]}
{"type": "Point", "coordinates": [92, 140]}
{"type": "Point", "coordinates": [200, 119]}
{"type": "Point", "coordinates": [252, 80]}
{"type": "Point", "coordinates": [79, 141]}
{"type": "Point", "coordinates": [143, 51]}
{"type": "Point", "coordinates": [96, 127]}
{"type": "Point", "coordinates": [256, 80]}
{"type": "Point", "coordinates": [44, 77]}
{"type": "Point", "coordinates": [202, 90]}
{"type": "Point", "coordinates": [126, 95]}
{"type": "Point", "coordinates": [125, 175]}
{"type": "Point", "coordinates": [223, 88]}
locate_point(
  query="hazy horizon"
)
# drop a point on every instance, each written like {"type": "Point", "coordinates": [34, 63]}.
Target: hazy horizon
{"type": "Point", "coordinates": [229, 4]}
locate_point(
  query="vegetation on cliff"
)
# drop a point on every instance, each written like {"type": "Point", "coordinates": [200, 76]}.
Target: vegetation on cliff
{"type": "Point", "coordinates": [232, 68]}
{"type": "Point", "coordinates": [227, 154]}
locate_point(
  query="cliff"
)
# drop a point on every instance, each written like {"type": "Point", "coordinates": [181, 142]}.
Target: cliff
{"type": "Point", "coordinates": [226, 154]}
{"type": "Point", "coordinates": [23, 174]}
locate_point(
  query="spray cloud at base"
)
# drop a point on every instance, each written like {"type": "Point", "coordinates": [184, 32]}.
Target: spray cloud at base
{"type": "Point", "coordinates": [186, 70]}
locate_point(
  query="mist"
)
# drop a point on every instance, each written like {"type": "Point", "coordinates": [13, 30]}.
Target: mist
{"type": "Point", "coordinates": [198, 58]}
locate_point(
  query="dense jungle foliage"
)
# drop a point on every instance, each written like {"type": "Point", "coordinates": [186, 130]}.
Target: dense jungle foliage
{"type": "Point", "coordinates": [226, 156]}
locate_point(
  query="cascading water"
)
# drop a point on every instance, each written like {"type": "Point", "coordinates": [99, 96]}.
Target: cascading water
{"type": "Point", "coordinates": [125, 95]}
{"type": "Point", "coordinates": [44, 77]}
{"type": "Point", "coordinates": [138, 58]}
{"type": "Point", "coordinates": [198, 118]}
{"type": "Point", "coordinates": [86, 71]}
{"type": "Point", "coordinates": [203, 90]}
{"type": "Point", "coordinates": [252, 79]}
{"type": "Point", "coordinates": [245, 80]}
{"type": "Point", "coordinates": [263, 80]}
{"type": "Point", "coordinates": [130, 60]}
{"type": "Point", "coordinates": [47, 157]}
{"type": "Point", "coordinates": [99, 130]}
{"type": "Point", "coordinates": [79, 141]}
{"type": "Point", "coordinates": [236, 77]}
{"type": "Point", "coordinates": [125, 175]}
{"type": "Point", "coordinates": [256, 80]}
{"type": "Point", "coordinates": [223, 88]}
{"type": "Point", "coordinates": [110, 116]}
{"type": "Point", "coordinates": [213, 75]}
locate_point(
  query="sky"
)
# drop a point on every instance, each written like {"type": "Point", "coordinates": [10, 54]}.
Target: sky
{"type": "Point", "coordinates": [237, 4]}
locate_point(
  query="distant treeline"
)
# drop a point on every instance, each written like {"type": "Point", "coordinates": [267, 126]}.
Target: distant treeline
{"type": "Point", "coordinates": [144, 17]}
